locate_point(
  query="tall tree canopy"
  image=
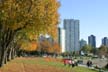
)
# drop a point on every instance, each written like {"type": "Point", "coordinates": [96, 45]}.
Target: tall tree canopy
{"type": "Point", "coordinates": [25, 19]}
{"type": "Point", "coordinates": [38, 15]}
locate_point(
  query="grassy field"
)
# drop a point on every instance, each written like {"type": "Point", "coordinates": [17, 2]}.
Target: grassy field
{"type": "Point", "coordinates": [40, 65]}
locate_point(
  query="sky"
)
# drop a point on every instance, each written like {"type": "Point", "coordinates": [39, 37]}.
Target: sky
{"type": "Point", "coordinates": [93, 16]}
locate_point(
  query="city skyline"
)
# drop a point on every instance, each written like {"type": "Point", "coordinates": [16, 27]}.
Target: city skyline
{"type": "Point", "coordinates": [92, 15]}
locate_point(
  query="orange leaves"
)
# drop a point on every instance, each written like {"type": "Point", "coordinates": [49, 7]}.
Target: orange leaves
{"type": "Point", "coordinates": [29, 46]}
{"type": "Point", "coordinates": [33, 46]}
{"type": "Point", "coordinates": [57, 48]}
{"type": "Point", "coordinates": [50, 47]}
{"type": "Point", "coordinates": [45, 45]}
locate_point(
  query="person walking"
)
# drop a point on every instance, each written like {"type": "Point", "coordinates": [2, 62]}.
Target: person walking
{"type": "Point", "coordinates": [89, 63]}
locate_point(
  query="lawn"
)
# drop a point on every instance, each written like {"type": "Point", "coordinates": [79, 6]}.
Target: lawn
{"type": "Point", "coordinates": [36, 64]}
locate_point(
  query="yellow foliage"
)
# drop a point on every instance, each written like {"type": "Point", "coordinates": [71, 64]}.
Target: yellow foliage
{"type": "Point", "coordinates": [37, 16]}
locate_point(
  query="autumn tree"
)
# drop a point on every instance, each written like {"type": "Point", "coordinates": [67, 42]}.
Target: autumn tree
{"type": "Point", "coordinates": [48, 45]}
{"type": "Point", "coordinates": [24, 19]}
{"type": "Point", "coordinates": [57, 48]}
{"type": "Point", "coordinates": [45, 46]}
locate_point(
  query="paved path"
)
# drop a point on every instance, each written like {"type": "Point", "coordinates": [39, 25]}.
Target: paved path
{"type": "Point", "coordinates": [101, 63]}
{"type": "Point", "coordinates": [85, 66]}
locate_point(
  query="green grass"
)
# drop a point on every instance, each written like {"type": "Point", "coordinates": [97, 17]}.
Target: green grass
{"type": "Point", "coordinates": [41, 61]}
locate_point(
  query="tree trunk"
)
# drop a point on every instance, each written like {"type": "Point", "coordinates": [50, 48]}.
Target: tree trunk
{"type": "Point", "coordinates": [9, 55]}
{"type": "Point", "coordinates": [12, 53]}
{"type": "Point", "coordinates": [6, 38]}
{"type": "Point", "coordinates": [3, 58]}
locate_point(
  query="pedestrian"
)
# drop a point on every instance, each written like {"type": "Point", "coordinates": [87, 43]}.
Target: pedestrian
{"type": "Point", "coordinates": [88, 63]}
{"type": "Point", "coordinates": [76, 62]}
{"type": "Point", "coordinates": [73, 63]}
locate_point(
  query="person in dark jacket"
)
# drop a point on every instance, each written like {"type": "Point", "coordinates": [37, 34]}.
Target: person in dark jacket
{"type": "Point", "coordinates": [89, 63]}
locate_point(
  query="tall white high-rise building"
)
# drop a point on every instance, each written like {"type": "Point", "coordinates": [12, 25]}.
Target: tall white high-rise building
{"type": "Point", "coordinates": [71, 27]}
{"type": "Point", "coordinates": [61, 39]}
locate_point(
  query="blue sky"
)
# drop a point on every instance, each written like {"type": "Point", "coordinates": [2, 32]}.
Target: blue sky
{"type": "Point", "coordinates": [93, 16]}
